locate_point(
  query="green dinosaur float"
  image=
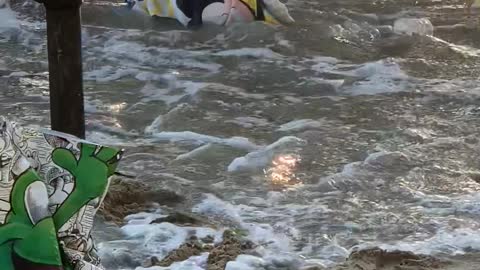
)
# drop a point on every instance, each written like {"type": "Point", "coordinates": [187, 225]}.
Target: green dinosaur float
{"type": "Point", "coordinates": [28, 237]}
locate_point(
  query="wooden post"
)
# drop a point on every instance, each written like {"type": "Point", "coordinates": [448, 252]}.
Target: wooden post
{"type": "Point", "coordinates": [65, 66]}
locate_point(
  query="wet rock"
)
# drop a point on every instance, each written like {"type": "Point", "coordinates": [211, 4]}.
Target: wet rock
{"type": "Point", "coordinates": [227, 251]}
{"type": "Point", "coordinates": [420, 135]}
{"type": "Point", "coordinates": [151, 262]}
{"type": "Point", "coordinates": [126, 197]}
{"type": "Point", "coordinates": [315, 267]}
{"type": "Point", "coordinates": [411, 26]}
{"type": "Point", "coordinates": [208, 239]}
{"type": "Point", "coordinates": [395, 45]}
{"type": "Point", "coordinates": [193, 247]}
{"type": "Point", "coordinates": [385, 30]}
{"type": "Point", "coordinates": [183, 219]}
{"type": "Point", "coordinates": [388, 160]}
{"type": "Point", "coordinates": [475, 176]}
{"type": "Point", "coordinates": [378, 259]}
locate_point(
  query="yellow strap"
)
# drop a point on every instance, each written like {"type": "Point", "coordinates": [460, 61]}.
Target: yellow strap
{"type": "Point", "coordinates": [252, 4]}
{"type": "Point", "coordinates": [155, 8]}
{"type": "Point", "coordinates": [170, 9]}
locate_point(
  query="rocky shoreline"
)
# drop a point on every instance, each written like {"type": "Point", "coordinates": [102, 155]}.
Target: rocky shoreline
{"type": "Point", "coordinates": [129, 197]}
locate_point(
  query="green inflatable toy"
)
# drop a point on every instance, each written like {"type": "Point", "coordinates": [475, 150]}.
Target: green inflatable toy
{"type": "Point", "coordinates": [51, 185]}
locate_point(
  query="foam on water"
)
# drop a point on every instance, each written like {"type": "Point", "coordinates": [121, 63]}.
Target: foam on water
{"type": "Point", "coordinates": [451, 242]}
{"type": "Point", "coordinates": [410, 26]}
{"type": "Point", "coordinates": [131, 54]}
{"type": "Point", "coordinates": [109, 73]}
{"type": "Point", "coordinates": [174, 74]}
{"type": "Point", "coordinates": [259, 159]}
{"type": "Point", "coordinates": [212, 206]}
{"type": "Point", "coordinates": [27, 34]}
{"type": "Point", "coordinates": [250, 52]}
{"type": "Point", "coordinates": [8, 19]}
{"type": "Point", "coordinates": [246, 262]}
{"type": "Point", "coordinates": [299, 125]}
{"type": "Point", "coordinates": [276, 248]}
{"type": "Point", "coordinates": [468, 204]}
{"type": "Point", "coordinates": [193, 263]}
{"type": "Point", "coordinates": [195, 152]}
{"type": "Point", "coordinates": [462, 49]}
{"type": "Point", "coordinates": [104, 138]}
{"type": "Point", "coordinates": [383, 76]}
{"type": "Point", "coordinates": [146, 239]}
{"type": "Point", "coordinates": [249, 122]}
{"type": "Point", "coordinates": [324, 63]}
{"type": "Point", "coordinates": [176, 91]}
{"type": "Point", "coordinates": [201, 139]}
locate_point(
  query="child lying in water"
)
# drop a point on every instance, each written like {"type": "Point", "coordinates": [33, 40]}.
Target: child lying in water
{"type": "Point", "coordinates": [193, 13]}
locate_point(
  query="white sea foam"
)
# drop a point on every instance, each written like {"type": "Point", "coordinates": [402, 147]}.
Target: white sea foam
{"type": "Point", "coordinates": [324, 63]}
{"type": "Point", "coordinates": [259, 233]}
{"type": "Point", "coordinates": [200, 139]}
{"type": "Point", "coordinates": [246, 262]}
{"type": "Point", "coordinates": [192, 263]}
{"type": "Point", "coordinates": [410, 26]}
{"type": "Point", "coordinates": [260, 158]}
{"type": "Point", "coordinates": [195, 152]}
{"type": "Point", "coordinates": [176, 91]}
{"type": "Point", "coordinates": [103, 138]}
{"type": "Point", "coordinates": [250, 52]}
{"type": "Point", "coordinates": [452, 242]}
{"type": "Point", "coordinates": [249, 122]}
{"type": "Point", "coordinates": [8, 19]}
{"type": "Point", "coordinates": [302, 124]}
{"type": "Point", "coordinates": [171, 116]}
{"type": "Point", "coordinates": [378, 77]}
{"type": "Point", "coordinates": [144, 239]}
{"type": "Point", "coordinates": [134, 55]}
{"type": "Point", "coordinates": [383, 76]}
{"type": "Point", "coordinates": [275, 248]}
{"type": "Point", "coordinates": [109, 73]}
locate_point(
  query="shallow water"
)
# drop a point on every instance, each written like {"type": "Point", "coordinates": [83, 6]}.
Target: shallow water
{"type": "Point", "coordinates": [316, 139]}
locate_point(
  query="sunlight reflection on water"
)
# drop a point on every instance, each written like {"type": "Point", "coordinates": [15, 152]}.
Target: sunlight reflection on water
{"type": "Point", "coordinates": [282, 170]}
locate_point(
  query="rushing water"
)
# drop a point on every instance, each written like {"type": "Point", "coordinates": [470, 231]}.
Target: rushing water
{"type": "Point", "coordinates": [319, 138]}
